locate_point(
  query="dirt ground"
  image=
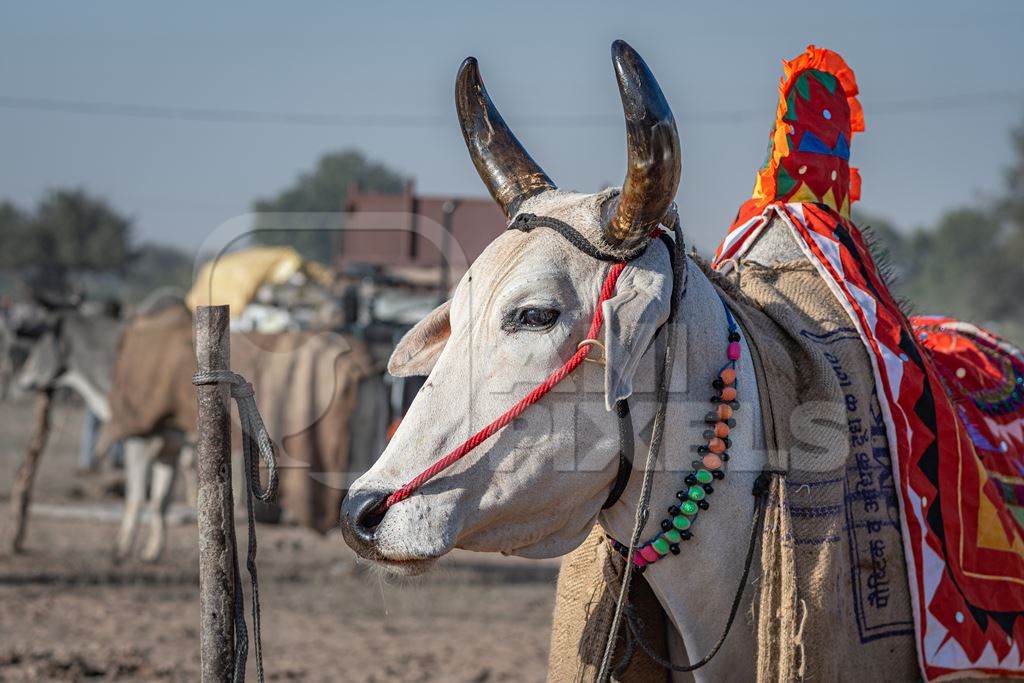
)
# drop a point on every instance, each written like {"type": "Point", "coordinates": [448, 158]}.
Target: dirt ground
{"type": "Point", "coordinates": [68, 613]}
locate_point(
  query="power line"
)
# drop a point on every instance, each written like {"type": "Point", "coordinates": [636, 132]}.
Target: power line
{"type": "Point", "coordinates": [251, 116]}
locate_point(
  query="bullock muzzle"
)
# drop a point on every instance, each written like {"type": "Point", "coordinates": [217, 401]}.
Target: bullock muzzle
{"type": "Point", "coordinates": [360, 517]}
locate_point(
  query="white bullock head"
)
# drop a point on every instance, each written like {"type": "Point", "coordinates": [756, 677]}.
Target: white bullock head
{"type": "Point", "coordinates": [535, 487]}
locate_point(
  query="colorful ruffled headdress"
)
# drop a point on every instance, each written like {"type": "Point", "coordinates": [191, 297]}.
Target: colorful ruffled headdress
{"type": "Point", "coordinates": [809, 150]}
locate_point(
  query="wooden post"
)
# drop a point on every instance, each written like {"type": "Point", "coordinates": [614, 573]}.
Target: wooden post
{"type": "Point", "coordinates": [215, 508]}
{"type": "Point", "coordinates": [21, 492]}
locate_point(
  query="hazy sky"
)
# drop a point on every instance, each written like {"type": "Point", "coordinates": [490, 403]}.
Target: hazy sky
{"type": "Point", "coordinates": [941, 83]}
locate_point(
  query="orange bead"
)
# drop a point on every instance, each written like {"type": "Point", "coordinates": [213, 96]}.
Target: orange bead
{"type": "Point", "coordinates": [721, 429]}
{"type": "Point", "coordinates": [729, 394]}
{"type": "Point", "coordinates": [712, 461]}
{"type": "Point", "coordinates": [728, 376]}
{"type": "Point", "coordinates": [724, 411]}
{"type": "Point", "coordinates": [716, 445]}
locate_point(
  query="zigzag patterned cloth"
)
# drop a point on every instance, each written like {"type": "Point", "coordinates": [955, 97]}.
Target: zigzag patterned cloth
{"type": "Point", "coordinates": [952, 396]}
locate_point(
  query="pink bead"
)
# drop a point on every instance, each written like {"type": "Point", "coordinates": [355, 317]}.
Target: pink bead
{"type": "Point", "coordinates": [734, 351]}
{"type": "Point", "coordinates": [649, 553]}
{"type": "Point", "coordinates": [639, 560]}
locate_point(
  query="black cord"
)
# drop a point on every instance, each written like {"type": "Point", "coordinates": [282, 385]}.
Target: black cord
{"type": "Point", "coordinates": [760, 492]}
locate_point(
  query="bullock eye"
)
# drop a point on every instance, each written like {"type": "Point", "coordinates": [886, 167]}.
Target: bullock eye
{"type": "Point", "coordinates": [531, 319]}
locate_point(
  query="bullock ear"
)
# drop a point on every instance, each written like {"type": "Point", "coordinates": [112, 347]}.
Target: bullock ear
{"type": "Point", "coordinates": [632, 318]}
{"type": "Point", "coordinates": [418, 350]}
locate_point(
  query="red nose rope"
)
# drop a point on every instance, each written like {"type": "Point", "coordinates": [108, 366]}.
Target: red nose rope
{"type": "Point", "coordinates": [607, 289]}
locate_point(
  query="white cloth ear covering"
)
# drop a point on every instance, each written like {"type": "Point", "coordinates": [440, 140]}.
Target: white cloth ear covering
{"type": "Point", "coordinates": [632, 318]}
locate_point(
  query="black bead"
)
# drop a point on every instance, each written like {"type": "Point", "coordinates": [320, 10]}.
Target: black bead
{"type": "Point", "coordinates": [686, 535]}
{"type": "Point", "coordinates": [690, 479]}
{"type": "Point", "coordinates": [731, 422]}
{"type": "Point", "coordinates": [728, 442]}
{"type": "Point", "coordinates": [674, 510]}
{"type": "Point", "coordinates": [718, 474]}
{"type": "Point", "coordinates": [682, 495]}
{"type": "Point", "coordinates": [665, 525]}
{"type": "Point", "coordinates": [702, 449]}
{"type": "Point", "coordinates": [718, 384]}
{"type": "Point", "coordinates": [708, 488]}
{"type": "Point", "coordinates": [711, 418]}
{"type": "Point", "coordinates": [708, 433]}
{"type": "Point", "coordinates": [674, 548]}
{"type": "Point", "coordinates": [724, 457]}
{"type": "Point", "coordinates": [734, 336]}
{"type": "Point", "coordinates": [735, 405]}
{"type": "Point", "coordinates": [703, 504]}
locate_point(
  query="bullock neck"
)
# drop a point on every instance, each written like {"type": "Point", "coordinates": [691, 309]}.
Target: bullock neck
{"type": "Point", "coordinates": [696, 587]}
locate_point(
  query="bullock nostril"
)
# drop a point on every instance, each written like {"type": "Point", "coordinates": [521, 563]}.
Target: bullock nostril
{"type": "Point", "coordinates": [361, 515]}
{"type": "Point", "coordinates": [370, 517]}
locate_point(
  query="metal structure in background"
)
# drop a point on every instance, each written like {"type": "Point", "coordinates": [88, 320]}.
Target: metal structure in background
{"type": "Point", "coordinates": [218, 564]}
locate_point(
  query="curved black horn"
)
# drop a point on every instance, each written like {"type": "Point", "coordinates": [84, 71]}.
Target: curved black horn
{"type": "Point", "coordinates": [654, 160]}
{"type": "Point", "coordinates": [506, 169]}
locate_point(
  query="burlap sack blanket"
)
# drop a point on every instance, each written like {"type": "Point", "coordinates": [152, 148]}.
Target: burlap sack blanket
{"type": "Point", "coordinates": [832, 601]}
{"type": "Point", "coordinates": [153, 369]}
{"type": "Point", "coordinates": [307, 385]}
{"type": "Point", "coordinates": [584, 604]}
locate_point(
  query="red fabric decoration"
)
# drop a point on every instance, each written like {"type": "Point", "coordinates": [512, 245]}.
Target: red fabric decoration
{"type": "Point", "coordinates": [952, 394]}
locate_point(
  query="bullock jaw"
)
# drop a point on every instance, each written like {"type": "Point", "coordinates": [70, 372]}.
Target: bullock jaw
{"type": "Point", "coordinates": [536, 487]}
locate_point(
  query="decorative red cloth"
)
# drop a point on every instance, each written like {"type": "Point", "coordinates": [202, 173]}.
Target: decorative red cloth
{"type": "Point", "coordinates": [809, 150]}
{"type": "Point", "coordinates": [952, 396]}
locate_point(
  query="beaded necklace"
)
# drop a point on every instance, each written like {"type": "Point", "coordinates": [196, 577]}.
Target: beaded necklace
{"type": "Point", "coordinates": [714, 454]}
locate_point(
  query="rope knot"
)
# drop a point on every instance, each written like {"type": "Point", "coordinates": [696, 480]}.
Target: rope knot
{"type": "Point", "coordinates": [242, 389]}
{"type": "Point", "coordinates": [254, 432]}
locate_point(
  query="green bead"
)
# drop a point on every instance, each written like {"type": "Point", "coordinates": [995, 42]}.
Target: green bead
{"type": "Point", "coordinates": [681, 523]}
{"type": "Point", "coordinates": [696, 493]}
{"type": "Point", "coordinates": [661, 546]}
{"type": "Point", "coordinates": [704, 477]}
{"type": "Point", "coordinates": [672, 536]}
{"type": "Point", "coordinates": [688, 508]}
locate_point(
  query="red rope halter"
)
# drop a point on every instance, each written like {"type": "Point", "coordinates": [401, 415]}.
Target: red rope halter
{"type": "Point", "coordinates": [607, 289]}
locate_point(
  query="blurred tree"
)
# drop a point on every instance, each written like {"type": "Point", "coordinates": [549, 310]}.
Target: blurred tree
{"type": "Point", "coordinates": [70, 233]}
{"type": "Point", "coordinates": [1013, 205]}
{"type": "Point", "coordinates": [1010, 278]}
{"type": "Point", "coordinates": [946, 269]}
{"type": "Point", "coordinates": [15, 248]}
{"type": "Point", "coordinates": [970, 265]}
{"type": "Point", "coordinates": [154, 266]}
{"type": "Point", "coordinates": [893, 250]}
{"type": "Point", "coordinates": [322, 190]}
{"type": "Point", "coordinates": [79, 232]}
{"type": "Point", "coordinates": [961, 257]}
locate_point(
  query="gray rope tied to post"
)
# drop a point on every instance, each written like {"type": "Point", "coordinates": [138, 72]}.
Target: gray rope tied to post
{"type": "Point", "coordinates": [254, 436]}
